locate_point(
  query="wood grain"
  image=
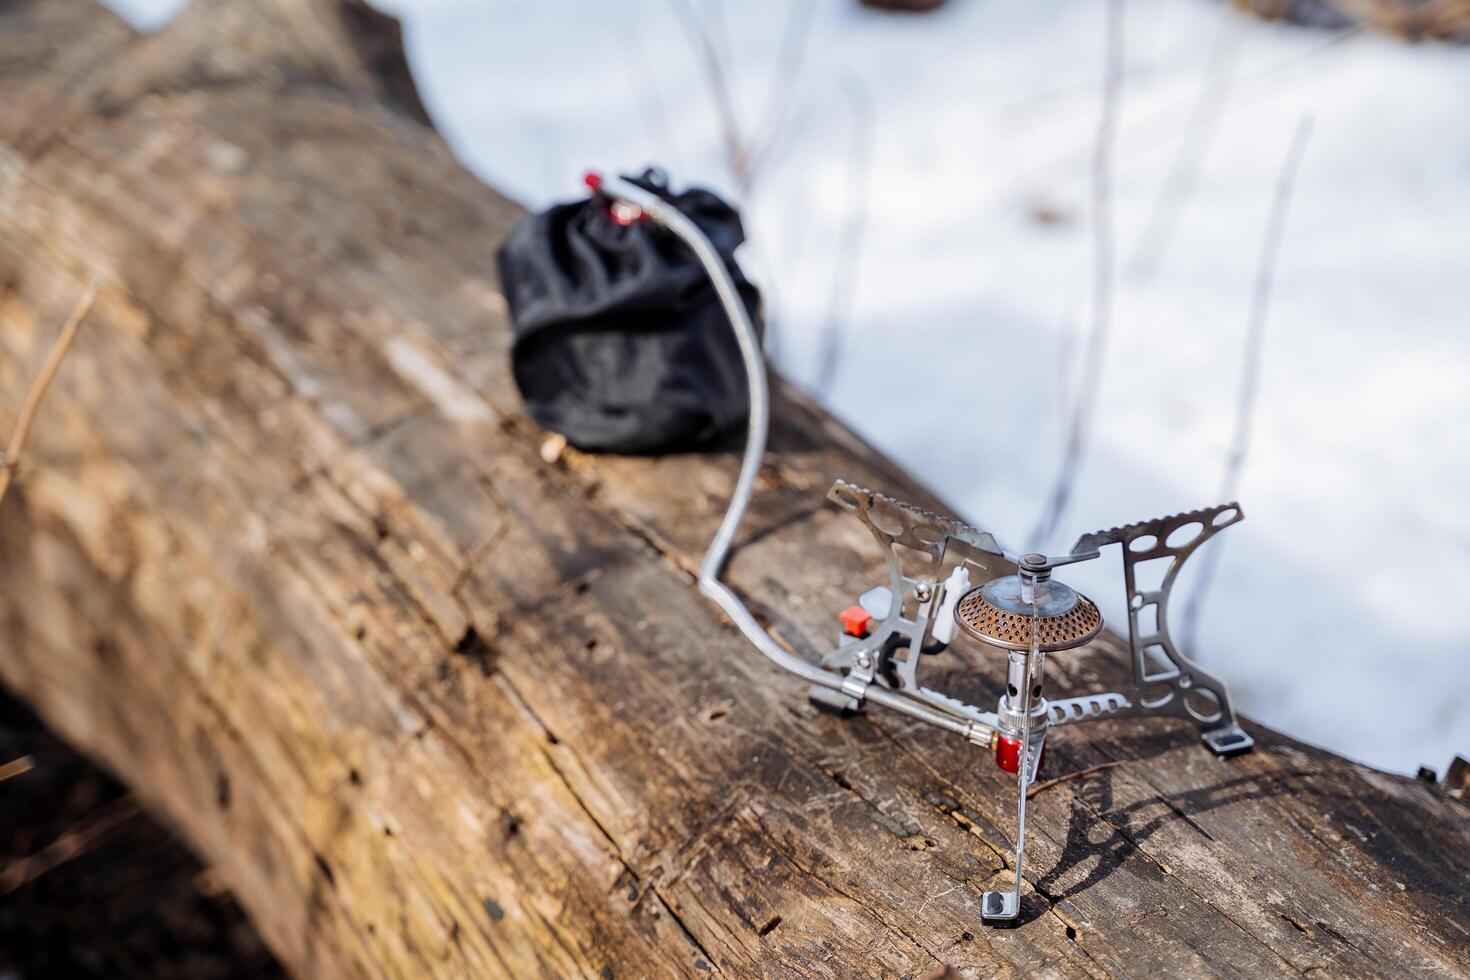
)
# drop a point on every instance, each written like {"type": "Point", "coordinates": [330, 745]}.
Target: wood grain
{"type": "Point", "coordinates": [288, 559]}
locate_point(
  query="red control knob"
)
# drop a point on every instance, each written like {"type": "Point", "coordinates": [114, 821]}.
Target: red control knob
{"type": "Point", "coordinates": [856, 620]}
{"type": "Point", "coordinates": [1008, 754]}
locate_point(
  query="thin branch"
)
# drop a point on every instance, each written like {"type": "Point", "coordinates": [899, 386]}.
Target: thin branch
{"type": "Point", "coordinates": [1250, 373]}
{"type": "Point", "coordinates": [713, 64]}
{"type": "Point", "coordinates": [1046, 784]}
{"type": "Point", "coordinates": [16, 767]}
{"type": "Point", "coordinates": [790, 250]}
{"type": "Point", "coordinates": [11, 458]}
{"type": "Point", "coordinates": [746, 152]}
{"type": "Point", "coordinates": [850, 237]}
{"type": "Point", "coordinates": [721, 36]}
{"type": "Point", "coordinates": [1084, 407]}
{"type": "Point", "coordinates": [1068, 330]}
{"type": "Point", "coordinates": [80, 838]}
{"type": "Point", "coordinates": [646, 89]}
{"type": "Point", "coordinates": [780, 94]}
{"type": "Point", "coordinates": [1204, 118]}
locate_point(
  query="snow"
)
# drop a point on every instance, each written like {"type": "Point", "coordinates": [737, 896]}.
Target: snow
{"type": "Point", "coordinates": [940, 138]}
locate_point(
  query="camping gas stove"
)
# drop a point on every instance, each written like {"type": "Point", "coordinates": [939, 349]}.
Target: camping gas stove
{"type": "Point", "coordinates": [946, 578]}
{"type": "Point", "coordinates": [1017, 607]}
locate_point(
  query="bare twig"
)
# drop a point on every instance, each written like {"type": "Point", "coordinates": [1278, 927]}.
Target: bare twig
{"type": "Point", "coordinates": [80, 838]}
{"type": "Point", "coordinates": [16, 767]}
{"type": "Point", "coordinates": [1204, 117]}
{"type": "Point", "coordinates": [22, 431]}
{"type": "Point", "coordinates": [850, 238]}
{"type": "Point", "coordinates": [790, 249]}
{"type": "Point", "coordinates": [644, 87]}
{"type": "Point", "coordinates": [1250, 372]}
{"type": "Point", "coordinates": [1090, 381]}
{"type": "Point", "coordinates": [746, 151]}
{"type": "Point", "coordinates": [1046, 784]}
{"type": "Point", "coordinates": [1068, 329]}
{"type": "Point", "coordinates": [779, 106]}
{"type": "Point", "coordinates": [714, 70]}
{"type": "Point", "coordinates": [1254, 85]}
{"type": "Point", "coordinates": [718, 17]}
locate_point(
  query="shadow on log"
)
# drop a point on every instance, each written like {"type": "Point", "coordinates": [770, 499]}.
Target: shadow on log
{"type": "Point", "coordinates": [289, 561]}
{"type": "Point", "coordinates": [91, 887]}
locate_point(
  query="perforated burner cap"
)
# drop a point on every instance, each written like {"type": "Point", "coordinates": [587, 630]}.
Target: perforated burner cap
{"type": "Point", "coordinates": [996, 614]}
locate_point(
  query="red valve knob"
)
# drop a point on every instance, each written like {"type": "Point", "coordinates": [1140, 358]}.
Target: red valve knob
{"type": "Point", "coordinates": [856, 620]}
{"type": "Point", "coordinates": [1008, 754]}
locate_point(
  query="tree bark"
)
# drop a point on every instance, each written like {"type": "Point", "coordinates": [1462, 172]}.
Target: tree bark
{"type": "Point", "coordinates": [287, 558]}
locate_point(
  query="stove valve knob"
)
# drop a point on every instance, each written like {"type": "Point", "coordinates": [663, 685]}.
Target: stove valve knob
{"type": "Point", "coordinates": [1008, 754]}
{"type": "Point", "coordinates": [856, 621]}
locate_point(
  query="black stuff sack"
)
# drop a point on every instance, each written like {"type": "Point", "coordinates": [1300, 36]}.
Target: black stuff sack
{"type": "Point", "coordinates": [621, 344]}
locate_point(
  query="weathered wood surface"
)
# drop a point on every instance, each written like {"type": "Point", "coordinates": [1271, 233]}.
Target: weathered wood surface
{"type": "Point", "coordinates": [287, 557]}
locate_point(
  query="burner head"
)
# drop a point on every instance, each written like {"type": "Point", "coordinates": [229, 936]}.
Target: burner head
{"type": "Point", "coordinates": [996, 614]}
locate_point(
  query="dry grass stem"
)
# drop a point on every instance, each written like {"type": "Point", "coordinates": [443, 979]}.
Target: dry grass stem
{"type": "Point", "coordinates": [1204, 119]}
{"type": "Point", "coordinates": [1046, 784]}
{"type": "Point", "coordinates": [747, 149]}
{"type": "Point", "coordinates": [1084, 406]}
{"type": "Point", "coordinates": [16, 767]}
{"type": "Point", "coordinates": [713, 63]}
{"type": "Point", "coordinates": [22, 431]}
{"type": "Point", "coordinates": [850, 238]}
{"type": "Point", "coordinates": [1250, 373]}
{"type": "Point", "coordinates": [80, 838]}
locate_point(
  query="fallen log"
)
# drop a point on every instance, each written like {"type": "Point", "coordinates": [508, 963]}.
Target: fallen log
{"type": "Point", "coordinates": [288, 558]}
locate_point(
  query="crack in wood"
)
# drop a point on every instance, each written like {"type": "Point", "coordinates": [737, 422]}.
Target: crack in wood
{"type": "Point", "coordinates": [509, 687]}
